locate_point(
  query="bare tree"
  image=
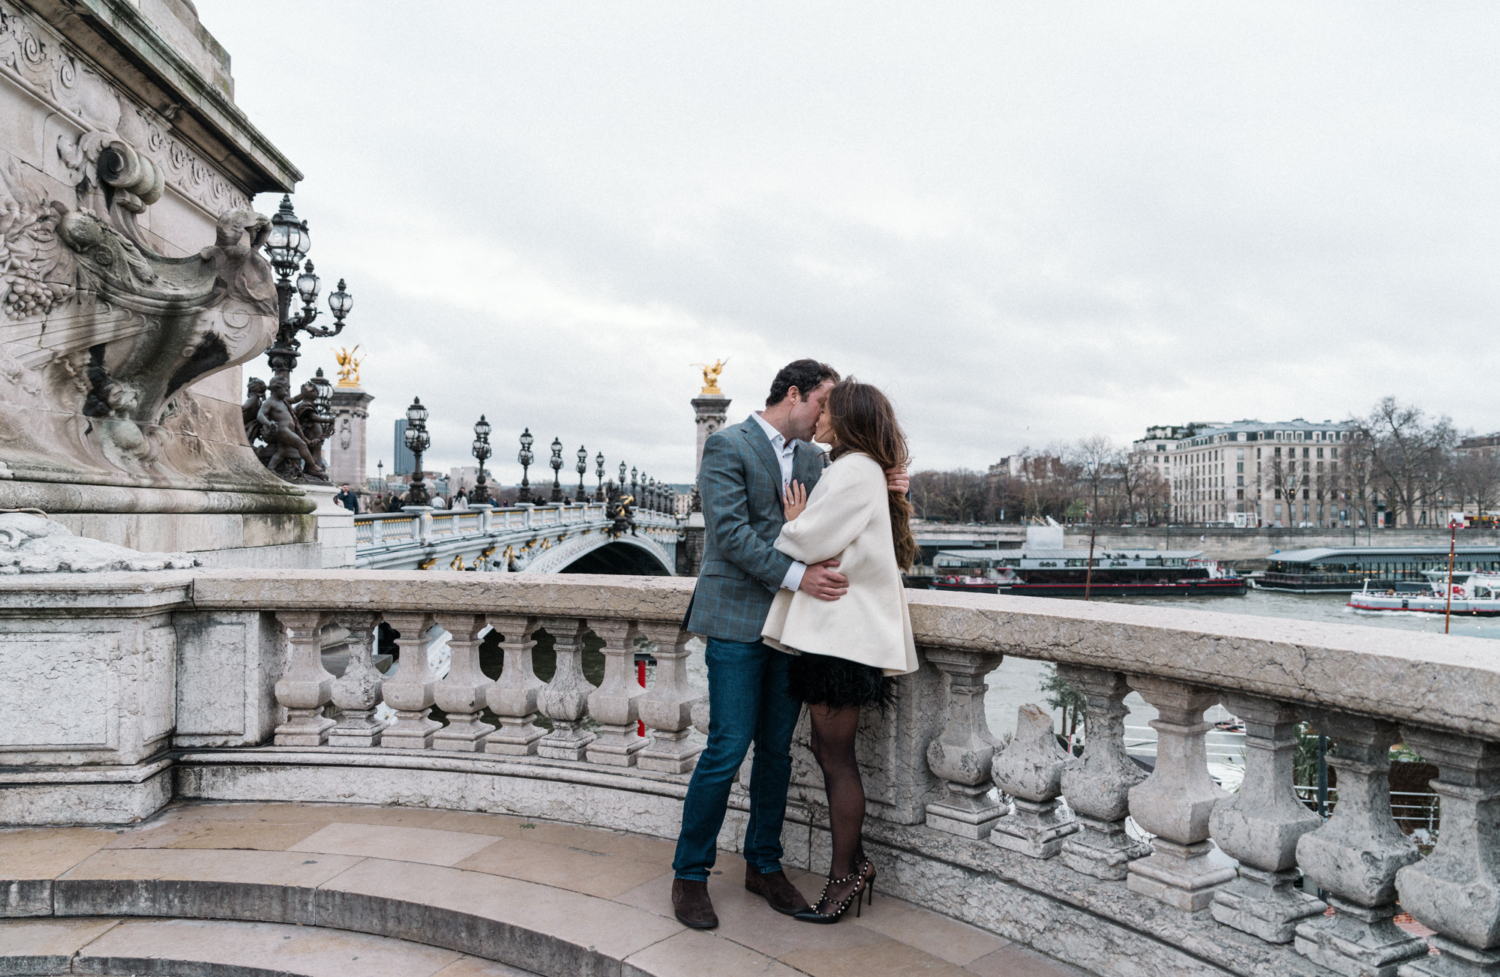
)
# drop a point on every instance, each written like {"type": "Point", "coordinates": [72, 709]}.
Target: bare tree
{"type": "Point", "coordinates": [1411, 454]}
{"type": "Point", "coordinates": [1476, 478]}
{"type": "Point", "coordinates": [1097, 462]}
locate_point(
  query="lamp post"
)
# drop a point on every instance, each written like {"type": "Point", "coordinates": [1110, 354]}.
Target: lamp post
{"type": "Point", "coordinates": [481, 450]}
{"type": "Point", "coordinates": [599, 471]}
{"type": "Point", "coordinates": [418, 440]}
{"type": "Point", "coordinates": [556, 463]}
{"type": "Point", "coordinates": [622, 478]}
{"type": "Point", "coordinates": [633, 489]}
{"type": "Point", "coordinates": [286, 246]}
{"type": "Point", "coordinates": [525, 457]}
{"type": "Point", "coordinates": [582, 467]}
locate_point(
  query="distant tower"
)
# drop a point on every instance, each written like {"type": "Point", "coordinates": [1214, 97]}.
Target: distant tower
{"type": "Point", "coordinates": [710, 411]}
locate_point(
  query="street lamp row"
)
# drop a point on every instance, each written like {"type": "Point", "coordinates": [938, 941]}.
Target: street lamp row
{"type": "Point", "coordinates": [648, 493]}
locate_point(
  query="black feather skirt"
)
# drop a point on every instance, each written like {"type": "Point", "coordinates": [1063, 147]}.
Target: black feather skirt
{"type": "Point", "coordinates": [823, 680]}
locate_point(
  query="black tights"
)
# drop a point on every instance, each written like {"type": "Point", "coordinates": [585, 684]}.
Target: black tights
{"type": "Point", "coordinates": [833, 745]}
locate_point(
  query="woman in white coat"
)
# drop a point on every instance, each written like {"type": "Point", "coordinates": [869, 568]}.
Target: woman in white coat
{"type": "Point", "coordinates": [848, 649]}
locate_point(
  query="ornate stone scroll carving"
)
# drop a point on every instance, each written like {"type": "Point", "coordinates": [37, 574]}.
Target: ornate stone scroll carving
{"type": "Point", "coordinates": [1098, 785]}
{"type": "Point", "coordinates": [1030, 770]}
{"type": "Point", "coordinates": [1456, 889]}
{"type": "Point", "coordinates": [963, 752]}
{"type": "Point", "coordinates": [1175, 801]}
{"type": "Point", "coordinates": [513, 697]}
{"type": "Point", "coordinates": [1261, 824]}
{"type": "Point", "coordinates": [1355, 857]}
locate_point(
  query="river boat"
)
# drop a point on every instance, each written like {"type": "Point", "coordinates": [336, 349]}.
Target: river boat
{"type": "Point", "coordinates": [1471, 593]}
{"type": "Point", "coordinates": [1066, 573]}
{"type": "Point", "coordinates": [1398, 568]}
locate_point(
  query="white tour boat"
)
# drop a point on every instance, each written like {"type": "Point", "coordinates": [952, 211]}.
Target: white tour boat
{"type": "Point", "coordinates": [1473, 593]}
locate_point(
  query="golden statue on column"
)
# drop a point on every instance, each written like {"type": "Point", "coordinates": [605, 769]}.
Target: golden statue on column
{"type": "Point", "coordinates": [711, 377]}
{"type": "Point", "coordinates": [348, 367]}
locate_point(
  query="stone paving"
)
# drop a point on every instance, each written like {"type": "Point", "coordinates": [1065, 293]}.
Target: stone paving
{"type": "Point", "coordinates": [605, 889]}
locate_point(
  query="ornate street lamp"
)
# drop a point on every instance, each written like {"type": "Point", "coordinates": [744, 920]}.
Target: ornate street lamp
{"type": "Point", "coordinates": [418, 440]}
{"type": "Point", "coordinates": [633, 490]}
{"type": "Point", "coordinates": [556, 463]}
{"type": "Point", "coordinates": [525, 458]}
{"type": "Point", "coordinates": [286, 246]}
{"type": "Point", "coordinates": [481, 450]}
{"type": "Point", "coordinates": [599, 471]}
{"type": "Point", "coordinates": [622, 478]}
{"type": "Point", "coordinates": [582, 467]}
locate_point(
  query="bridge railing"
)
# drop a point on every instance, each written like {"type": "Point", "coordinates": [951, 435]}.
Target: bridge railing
{"type": "Point", "coordinates": [1090, 858]}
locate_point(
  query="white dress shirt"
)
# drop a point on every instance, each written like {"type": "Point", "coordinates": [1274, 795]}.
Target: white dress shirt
{"type": "Point", "coordinates": [785, 453]}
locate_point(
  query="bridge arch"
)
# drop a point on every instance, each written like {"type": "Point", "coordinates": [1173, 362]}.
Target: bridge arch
{"type": "Point", "coordinates": [598, 553]}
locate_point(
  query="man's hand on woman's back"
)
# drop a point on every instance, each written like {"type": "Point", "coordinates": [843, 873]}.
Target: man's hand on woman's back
{"type": "Point", "coordinates": [897, 480]}
{"type": "Point", "coordinates": [824, 582]}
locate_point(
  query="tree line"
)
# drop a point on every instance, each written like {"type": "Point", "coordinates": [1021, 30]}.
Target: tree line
{"type": "Point", "coordinates": [1395, 459]}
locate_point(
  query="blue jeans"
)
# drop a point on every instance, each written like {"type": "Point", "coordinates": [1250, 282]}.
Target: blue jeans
{"type": "Point", "coordinates": [748, 702]}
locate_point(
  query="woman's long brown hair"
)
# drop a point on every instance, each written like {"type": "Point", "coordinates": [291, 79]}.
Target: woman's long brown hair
{"type": "Point", "coordinates": [864, 420]}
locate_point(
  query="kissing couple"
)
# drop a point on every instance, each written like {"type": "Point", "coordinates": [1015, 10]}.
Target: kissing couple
{"type": "Point", "coordinates": [801, 601]}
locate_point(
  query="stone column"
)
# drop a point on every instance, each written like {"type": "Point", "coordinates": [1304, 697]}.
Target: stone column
{"type": "Point", "coordinates": [1456, 889]}
{"type": "Point", "coordinates": [614, 704]}
{"type": "Point", "coordinates": [410, 692]}
{"type": "Point", "coordinates": [1355, 857]}
{"type": "Point", "coordinates": [462, 692]}
{"type": "Point", "coordinates": [1174, 802]}
{"type": "Point", "coordinates": [565, 699]}
{"type": "Point", "coordinates": [1030, 770]}
{"type": "Point", "coordinates": [513, 697]}
{"type": "Point", "coordinates": [962, 753]}
{"type": "Point", "coordinates": [667, 709]}
{"type": "Point", "coordinates": [1098, 785]}
{"type": "Point", "coordinates": [346, 454]}
{"type": "Point", "coordinates": [1260, 826]}
{"type": "Point", "coordinates": [305, 686]}
{"type": "Point", "coordinates": [357, 691]}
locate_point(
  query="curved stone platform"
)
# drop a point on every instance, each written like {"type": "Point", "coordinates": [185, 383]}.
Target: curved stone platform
{"type": "Point", "coordinates": [549, 898]}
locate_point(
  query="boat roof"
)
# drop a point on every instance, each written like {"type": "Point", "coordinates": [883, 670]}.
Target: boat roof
{"type": "Point", "coordinates": [1323, 554]}
{"type": "Point", "coordinates": [1072, 554]}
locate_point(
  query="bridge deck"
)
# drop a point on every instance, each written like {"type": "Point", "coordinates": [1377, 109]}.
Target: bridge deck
{"type": "Point", "coordinates": [419, 879]}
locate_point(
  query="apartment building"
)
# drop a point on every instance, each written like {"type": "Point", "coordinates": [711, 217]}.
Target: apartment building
{"type": "Point", "coordinates": [1252, 473]}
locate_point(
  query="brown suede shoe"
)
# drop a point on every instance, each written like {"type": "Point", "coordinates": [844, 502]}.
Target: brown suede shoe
{"type": "Point", "coordinates": [777, 890]}
{"type": "Point", "coordinates": [691, 904]}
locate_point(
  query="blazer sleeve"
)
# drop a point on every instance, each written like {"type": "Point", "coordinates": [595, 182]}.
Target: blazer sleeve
{"type": "Point", "coordinates": [726, 514]}
{"type": "Point", "coordinates": [843, 507]}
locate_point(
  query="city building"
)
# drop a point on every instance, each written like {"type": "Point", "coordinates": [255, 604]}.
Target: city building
{"type": "Point", "coordinates": [1252, 473]}
{"type": "Point", "coordinates": [405, 462]}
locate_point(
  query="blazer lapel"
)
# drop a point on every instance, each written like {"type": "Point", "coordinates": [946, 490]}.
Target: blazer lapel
{"type": "Point", "coordinates": [761, 445]}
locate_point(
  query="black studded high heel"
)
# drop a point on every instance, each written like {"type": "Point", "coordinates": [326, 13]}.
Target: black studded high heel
{"type": "Point", "coordinates": [854, 898]}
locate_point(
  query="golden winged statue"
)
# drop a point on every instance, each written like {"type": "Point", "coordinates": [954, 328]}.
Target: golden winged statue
{"type": "Point", "coordinates": [348, 367]}
{"type": "Point", "coordinates": [711, 376]}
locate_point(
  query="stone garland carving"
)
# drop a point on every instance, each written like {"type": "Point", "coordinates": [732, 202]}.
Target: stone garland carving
{"type": "Point", "coordinates": [34, 55]}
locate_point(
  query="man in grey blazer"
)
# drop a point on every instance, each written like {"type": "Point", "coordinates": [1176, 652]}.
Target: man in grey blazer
{"type": "Point", "coordinates": [744, 472]}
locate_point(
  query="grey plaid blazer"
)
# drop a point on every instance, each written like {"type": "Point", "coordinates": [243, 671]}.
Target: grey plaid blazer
{"type": "Point", "coordinates": [740, 485]}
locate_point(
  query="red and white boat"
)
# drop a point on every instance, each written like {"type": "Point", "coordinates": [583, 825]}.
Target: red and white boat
{"type": "Point", "coordinates": [1472, 592]}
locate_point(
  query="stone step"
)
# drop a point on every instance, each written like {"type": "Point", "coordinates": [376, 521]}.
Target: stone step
{"type": "Point", "coordinates": [215, 948]}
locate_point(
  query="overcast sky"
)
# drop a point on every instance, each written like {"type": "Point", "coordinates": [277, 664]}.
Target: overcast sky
{"type": "Point", "coordinates": [1027, 223]}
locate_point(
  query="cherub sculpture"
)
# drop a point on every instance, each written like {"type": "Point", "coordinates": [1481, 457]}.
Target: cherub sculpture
{"type": "Point", "coordinates": [280, 430]}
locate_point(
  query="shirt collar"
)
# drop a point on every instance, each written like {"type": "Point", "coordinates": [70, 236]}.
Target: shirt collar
{"type": "Point", "coordinates": [778, 440]}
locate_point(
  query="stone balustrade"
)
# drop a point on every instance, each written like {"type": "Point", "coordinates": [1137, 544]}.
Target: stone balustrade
{"type": "Point", "coordinates": [1089, 858]}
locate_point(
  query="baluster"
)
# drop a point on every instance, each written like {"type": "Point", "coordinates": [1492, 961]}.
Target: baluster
{"type": "Point", "coordinates": [305, 686]}
{"type": "Point", "coordinates": [1355, 857]}
{"type": "Point", "coordinates": [565, 699]}
{"type": "Point", "coordinates": [667, 709]}
{"type": "Point", "coordinates": [962, 753]}
{"type": "Point", "coordinates": [1029, 768]}
{"type": "Point", "coordinates": [377, 531]}
{"type": "Point", "coordinates": [410, 692]}
{"type": "Point", "coordinates": [614, 705]}
{"type": "Point", "coordinates": [1175, 801]}
{"type": "Point", "coordinates": [1260, 826]}
{"type": "Point", "coordinates": [513, 697]}
{"type": "Point", "coordinates": [461, 693]}
{"type": "Point", "coordinates": [357, 691]}
{"type": "Point", "coordinates": [1098, 786]}
{"type": "Point", "coordinates": [1456, 889]}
